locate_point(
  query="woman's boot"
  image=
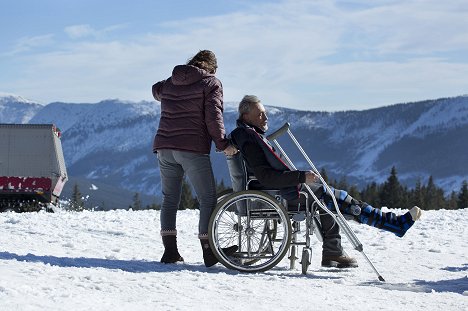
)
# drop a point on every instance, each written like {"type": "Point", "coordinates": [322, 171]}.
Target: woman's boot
{"type": "Point", "coordinates": [171, 253]}
{"type": "Point", "coordinates": [209, 257]}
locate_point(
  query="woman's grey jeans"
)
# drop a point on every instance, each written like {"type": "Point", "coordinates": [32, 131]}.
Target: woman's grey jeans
{"type": "Point", "coordinates": [173, 164]}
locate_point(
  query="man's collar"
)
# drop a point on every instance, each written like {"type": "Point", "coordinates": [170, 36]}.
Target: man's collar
{"type": "Point", "coordinates": [241, 123]}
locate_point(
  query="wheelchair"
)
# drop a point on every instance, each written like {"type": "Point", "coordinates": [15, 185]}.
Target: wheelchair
{"type": "Point", "coordinates": [262, 225]}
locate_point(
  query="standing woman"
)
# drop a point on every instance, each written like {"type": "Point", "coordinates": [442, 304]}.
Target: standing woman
{"type": "Point", "coordinates": [191, 118]}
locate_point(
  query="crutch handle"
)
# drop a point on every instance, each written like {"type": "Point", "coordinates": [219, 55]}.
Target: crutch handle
{"type": "Point", "coordinates": [279, 132]}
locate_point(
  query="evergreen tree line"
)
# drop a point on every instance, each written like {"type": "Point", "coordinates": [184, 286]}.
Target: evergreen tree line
{"type": "Point", "coordinates": [77, 203]}
{"type": "Point", "coordinates": [187, 198]}
{"type": "Point", "coordinates": [138, 206]}
{"type": "Point", "coordinates": [391, 193]}
{"type": "Point", "coordinates": [187, 201]}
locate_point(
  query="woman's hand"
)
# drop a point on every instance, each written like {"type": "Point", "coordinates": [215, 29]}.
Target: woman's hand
{"type": "Point", "coordinates": [230, 150]}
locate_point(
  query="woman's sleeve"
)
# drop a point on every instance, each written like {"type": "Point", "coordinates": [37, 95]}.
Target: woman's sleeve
{"type": "Point", "coordinates": [157, 88]}
{"type": "Point", "coordinates": [214, 114]}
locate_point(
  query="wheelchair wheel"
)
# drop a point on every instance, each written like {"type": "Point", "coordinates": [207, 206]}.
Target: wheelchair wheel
{"type": "Point", "coordinates": [223, 194]}
{"type": "Point", "coordinates": [257, 224]}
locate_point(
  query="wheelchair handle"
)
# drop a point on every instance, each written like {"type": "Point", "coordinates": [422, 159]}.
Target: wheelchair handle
{"type": "Point", "coordinates": [279, 132]}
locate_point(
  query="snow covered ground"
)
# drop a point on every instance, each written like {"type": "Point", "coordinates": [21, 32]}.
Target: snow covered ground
{"type": "Point", "coordinates": [110, 261]}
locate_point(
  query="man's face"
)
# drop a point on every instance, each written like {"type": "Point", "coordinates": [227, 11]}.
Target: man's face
{"type": "Point", "coordinates": [257, 117]}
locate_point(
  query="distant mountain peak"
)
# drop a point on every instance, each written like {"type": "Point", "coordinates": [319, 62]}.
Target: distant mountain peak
{"type": "Point", "coordinates": [8, 97]}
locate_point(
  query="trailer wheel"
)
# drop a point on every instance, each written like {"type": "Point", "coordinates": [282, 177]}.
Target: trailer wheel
{"type": "Point", "coordinates": [9, 209]}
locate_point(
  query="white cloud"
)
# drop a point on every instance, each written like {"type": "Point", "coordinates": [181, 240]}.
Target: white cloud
{"type": "Point", "coordinates": [411, 27]}
{"type": "Point", "coordinates": [302, 54]}
{"type": "Point", "coordinates": [79, 31]}
{"type": "Point", "coordinates": [85, 30]}
{"type": "Point", "coordinates": [25, 44]}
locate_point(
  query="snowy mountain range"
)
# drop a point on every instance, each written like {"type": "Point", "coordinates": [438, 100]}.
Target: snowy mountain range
{"type": "Point", "coordinates": [108, 144]}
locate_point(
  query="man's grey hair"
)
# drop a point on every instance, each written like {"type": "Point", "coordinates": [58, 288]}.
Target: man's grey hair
{"type": "Point", "coordinates": [247, 103]}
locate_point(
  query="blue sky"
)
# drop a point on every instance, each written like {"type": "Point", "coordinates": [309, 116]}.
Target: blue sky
{"type": "Point", "coordinates": [310, 55]}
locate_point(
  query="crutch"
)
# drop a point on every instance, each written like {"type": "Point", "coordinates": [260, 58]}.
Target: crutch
{"type": "Point", "coordinates": [338, 216]}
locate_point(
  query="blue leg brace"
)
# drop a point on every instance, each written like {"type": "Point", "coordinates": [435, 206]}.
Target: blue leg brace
{"type": "Point", "coordinates": [369, 215]}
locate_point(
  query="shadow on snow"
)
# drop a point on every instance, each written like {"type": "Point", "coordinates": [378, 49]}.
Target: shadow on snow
{"type": "Point", "coordinates": [143, 266]}
{"type": "Point", "coordinates": [454, 285]}
{"type": "Point", "coordinates": [135, 266]}
{"type": "Point", "coordinates": [464, 267]}
{"type": "Point", "coordinates": [457, 286]}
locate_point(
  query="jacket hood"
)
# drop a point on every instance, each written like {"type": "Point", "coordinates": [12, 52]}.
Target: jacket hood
{"type": "Point", "coordinates": [187, 74]}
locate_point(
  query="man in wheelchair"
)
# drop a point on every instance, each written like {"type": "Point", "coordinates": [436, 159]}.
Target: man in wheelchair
{"type": "Point", "coordinates": [271, 171]}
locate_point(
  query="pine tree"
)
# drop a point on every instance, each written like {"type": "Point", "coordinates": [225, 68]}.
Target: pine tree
{"type": "Point", "coordinates": [186, 196]}
{"type": "Point", "coordinates": [220, 187]}
{"type": "Point", "coordinates": [354, 192]}
{"type": "Point", "coordinates": [406, 199]}
{"type": "Point", "coordinates": [76, 202]}
{"type": "Point", "coordinates": [417, 195]}
{"type": "Point", "coordinates": [324, 175]}
{"type": "Point", "coordinates": [136, 202]}
{"type": "Point", "coordinates": [439, 201]}
{"type": "Point", "coordinates": [371, 194]}
{"type": "Point", "coordinates": [342, 184]}
{"type": "Point", "coordinates": [463, 196]}
{"type": "Point", "coordinates": [154, 206]}
{"type": "Point", "coordinates": [187, 201]}
{"type": "Point", "coordinates": [434, 196]}
{"type": "Point", "coordinates": [452, 201]}
{"type": "Point", "coordinates": [391, 194]}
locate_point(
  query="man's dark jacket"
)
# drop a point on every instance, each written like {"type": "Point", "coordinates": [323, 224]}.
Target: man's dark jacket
{"type": "Point", "coordinates": [264, 162]}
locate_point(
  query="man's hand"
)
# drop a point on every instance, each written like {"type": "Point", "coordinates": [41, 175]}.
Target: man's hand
{"type": "Point", "coordinates": [311, 177]}
{"type": "Point", "coordinates": [230, 150]}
